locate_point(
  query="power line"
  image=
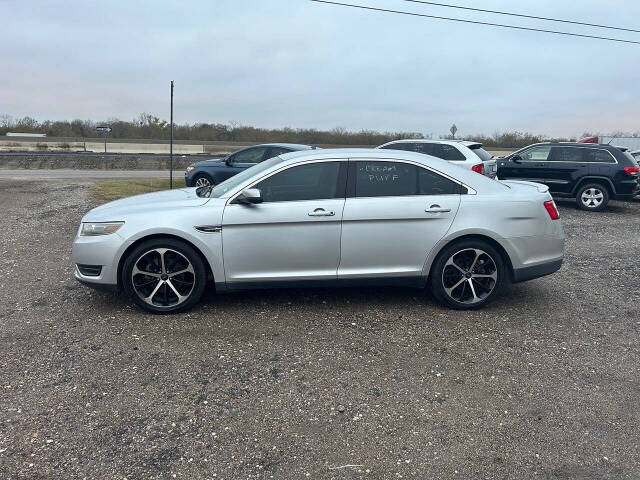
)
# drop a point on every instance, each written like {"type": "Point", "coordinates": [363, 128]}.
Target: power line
{"type": "Point", "coordinates": [451, 19]}
{"type": "Point", "coordinates": [497, 12]}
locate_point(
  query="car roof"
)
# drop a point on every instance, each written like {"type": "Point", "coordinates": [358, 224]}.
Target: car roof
{"type": "Point", "coordinates": [466, 143]}
{"type": "Point", "coordinates": [577, 144]}
{"type": "Point", "coordinates": [463, 175]}
{"type": "Point", "coordinates": [294, 146]}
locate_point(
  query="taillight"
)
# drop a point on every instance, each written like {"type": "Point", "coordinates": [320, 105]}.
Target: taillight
{"type": "Point", "coordinates": [552, 210]}
{"type": "Point", "coordinates": [479, 168]}
{"type": "Point", "coordinates": [631, 171]}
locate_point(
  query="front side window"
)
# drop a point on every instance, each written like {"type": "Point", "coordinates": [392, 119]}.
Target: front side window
{"type": "Point", "coordinates": [536, 154]}
{"type": "Point", "coordinates": [395, 179]}
{"type": "Point", "coordinates": [250, 155]}
{"type": "Point", "coordinates": [314, 181]}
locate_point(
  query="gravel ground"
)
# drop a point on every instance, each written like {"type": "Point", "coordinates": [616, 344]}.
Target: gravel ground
{"type": "Point", "coordinates": [320, 383]}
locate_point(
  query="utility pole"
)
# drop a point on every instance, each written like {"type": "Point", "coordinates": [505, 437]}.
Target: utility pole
{"type": "Point", "coordinates": [171, 143]}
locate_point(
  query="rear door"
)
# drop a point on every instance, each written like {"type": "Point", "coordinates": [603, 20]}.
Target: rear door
{"type": "Point", "coordinates": [564, 166]}
{"type": "Point", "coordinates": [394, 214]}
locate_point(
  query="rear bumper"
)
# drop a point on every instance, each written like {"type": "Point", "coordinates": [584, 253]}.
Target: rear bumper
{"type": "Point", "coordinates": [536, 271]}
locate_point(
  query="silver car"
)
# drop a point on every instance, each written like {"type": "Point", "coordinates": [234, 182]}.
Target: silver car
{"type": "Point", "coordinates": [325, 217]}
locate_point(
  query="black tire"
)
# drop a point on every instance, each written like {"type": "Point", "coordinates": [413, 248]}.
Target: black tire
{"type": "Point", "coordinates": [472, 292]}
{"type": "Point", "coordinates": [159, 275]}
{"type": "Point", "coordinates": [592, 197]}
{"type": "Point", "coordinates": [204, 179]}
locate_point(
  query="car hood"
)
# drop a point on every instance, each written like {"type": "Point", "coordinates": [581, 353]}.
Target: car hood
{"type": "Point", "coordinates": [155, 202]}
{"type": "Point", "coordinates": [212, 162]}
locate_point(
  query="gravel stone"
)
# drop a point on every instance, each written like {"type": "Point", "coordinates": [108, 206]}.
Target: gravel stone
{"type": "Point", "coordinates": [543, 383]}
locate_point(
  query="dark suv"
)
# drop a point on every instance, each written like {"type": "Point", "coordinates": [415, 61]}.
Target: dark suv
{"type": "Point", "coordinates": [590, 173]}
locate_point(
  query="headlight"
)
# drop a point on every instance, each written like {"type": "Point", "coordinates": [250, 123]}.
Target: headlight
{"type": "Point", "coordinates": [190, 168]}
{"type": "Point", "coordinates": [100, 228]}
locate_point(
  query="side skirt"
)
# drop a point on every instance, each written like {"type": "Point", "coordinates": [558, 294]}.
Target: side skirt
{"type": "Point", "coordinates": [409, 282]}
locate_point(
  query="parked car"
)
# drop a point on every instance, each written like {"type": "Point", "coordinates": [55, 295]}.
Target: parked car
{"type": "Point", "coordinates": [341, 217]}
{"type": "Point", "coordinates": [217, 170]}
{"type": "Point", "coordinates": [591, 173]}
{"type": "Point", "coordinates": [466, 154]}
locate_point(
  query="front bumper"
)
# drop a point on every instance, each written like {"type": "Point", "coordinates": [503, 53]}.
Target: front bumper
{"type": "Point", "coordinates": [103, 251]}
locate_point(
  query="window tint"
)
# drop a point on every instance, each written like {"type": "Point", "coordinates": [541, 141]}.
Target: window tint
{"type": "Point", "coordinates": [481, 153]}
{"type": "Point", "coordinates": [250, 155]}
{"type": "Point", "coordinates": [566, 154]}
{"type": "Point", "coordinates": [392, 179]}
{"type": "Point", "coordinates": [593, 155]}
{"type": "Point", "coordinates": [430, 183]}
{"type": "Point", "coordinates": [275, 151]}
{"type": "Point", "coordinates": [447, 152]}
{"type": "Point", "coordinates": [407, 147]}
{"type": "Point", "coordinates": [536, 154]}
{"type": "Point", "coordinates": [313, 181]}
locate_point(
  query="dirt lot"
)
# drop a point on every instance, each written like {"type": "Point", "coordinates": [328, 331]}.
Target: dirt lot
{"type": "Point", "coordinates": [345, 384]}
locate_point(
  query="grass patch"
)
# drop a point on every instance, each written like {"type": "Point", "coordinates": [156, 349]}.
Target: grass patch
{"type": "Point", "coordinates": [108, 190]}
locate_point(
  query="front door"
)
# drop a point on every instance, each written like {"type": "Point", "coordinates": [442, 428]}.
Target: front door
{"type": "Point", "coordinates": [294, 235]}
{"type": "Point", "coordinates": [394, 215]}
{"type": "Point", "coordinates": [525, 165]}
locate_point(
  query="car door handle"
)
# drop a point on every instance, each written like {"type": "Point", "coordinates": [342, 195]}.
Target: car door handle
{"type": "Point", "coordinates": [437, 209]}
{"type": "Point", "coordinates": [321, 212]}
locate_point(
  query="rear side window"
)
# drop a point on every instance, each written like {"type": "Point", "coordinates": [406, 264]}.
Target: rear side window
{"type": "Point", "coordinates": [566, 154]}
{"type": "Point", "coordinates": [395, 179]}
{"type": "Point", "coordinates": [314, 181]}
{"type": "Point", "coordinates": [593, 155]}
{"type": "Point", "coordinates": [275, 151]}
{"type": "Point", "coordinates": [447, 152]}
{"type": "Point", "coordinates": [417, 147]}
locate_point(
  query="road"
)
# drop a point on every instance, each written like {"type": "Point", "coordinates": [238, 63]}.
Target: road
{"type": "Point", "coordinates": [360, 383]}
{"type": "Point", "coordinates": [84, 174]}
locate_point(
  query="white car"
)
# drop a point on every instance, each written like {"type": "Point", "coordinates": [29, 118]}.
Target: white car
{"type": "Point", "coordinates": [317, 217]}
{"type": "Point", "coordinates": [466, 154]}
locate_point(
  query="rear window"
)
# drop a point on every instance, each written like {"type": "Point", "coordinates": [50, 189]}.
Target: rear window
{"type": "Point", "coordinates": [635, 158]}
{"type": "Point", "coordinates": [481, 152]}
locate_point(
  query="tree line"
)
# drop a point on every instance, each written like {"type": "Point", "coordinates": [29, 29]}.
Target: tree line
{"type": "Point", "coordinates": [148, 126]}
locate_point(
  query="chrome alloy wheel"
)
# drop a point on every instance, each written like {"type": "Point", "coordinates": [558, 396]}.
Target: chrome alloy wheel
{"type": "Point", "coordinates": [592, 197]}
{"type": "Point", "coordinates": [469, 276]}
{"type": "Point", "coordinates": [163, 277]}
{"type": "Point", "coordinates": [202, 182]}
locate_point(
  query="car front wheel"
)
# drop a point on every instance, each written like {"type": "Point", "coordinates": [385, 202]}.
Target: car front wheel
{"type": "Point", "coordinates": [202, 180]}
{"type": "Point", "coordinates": [164, 275]}
{"type": "Point", "coordinates": [592, 197]}
{"type": "Point", "coordinates": [467, 274]}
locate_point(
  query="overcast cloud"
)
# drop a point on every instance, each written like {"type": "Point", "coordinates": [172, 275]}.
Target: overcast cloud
{"type": "Point", "coordinates": [275, 63]}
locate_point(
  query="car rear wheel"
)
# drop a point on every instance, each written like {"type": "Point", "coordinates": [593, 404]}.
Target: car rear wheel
{"type": "Point", "coordinates": [164, 275]}
{"type": "Point", "coordinates": [202, 180]}
{"type": "Point", "coordinates": [592, 197]}
{"type": "Point", "coordinates": [467, 274]}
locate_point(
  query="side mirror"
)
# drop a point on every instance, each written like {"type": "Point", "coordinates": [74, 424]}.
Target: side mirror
{"type": "Point", "coordinates": [516, 159]}
{"type": "Point", "coordinates": [250, 196]}
{"type": "Point", "coordinates": [227, 161]}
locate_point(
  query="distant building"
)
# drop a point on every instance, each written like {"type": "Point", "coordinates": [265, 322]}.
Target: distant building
{"type": "Point", "coordinates": [632, 143]}
{"type": "Point", "coordinates": [16, 134]}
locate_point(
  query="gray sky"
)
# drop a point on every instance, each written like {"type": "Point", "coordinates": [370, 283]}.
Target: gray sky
{"type": "Point", "coordinates": [275, 63]}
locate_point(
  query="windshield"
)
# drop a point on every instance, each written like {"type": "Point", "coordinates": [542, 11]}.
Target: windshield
{"type": "Point", "coordinates": [481, 152]}
{"type": "Point", "coordinates": [231, 183]}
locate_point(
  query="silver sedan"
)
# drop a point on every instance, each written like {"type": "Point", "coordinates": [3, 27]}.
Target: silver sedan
{"type": "Point", "coordinates": [325, 217]}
